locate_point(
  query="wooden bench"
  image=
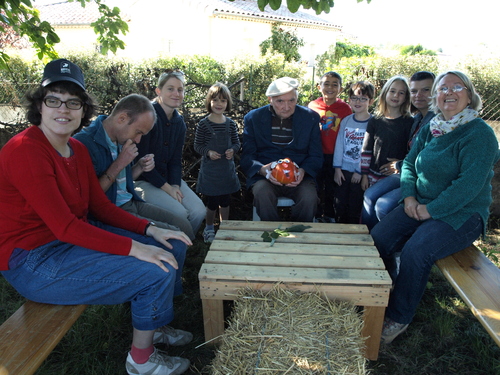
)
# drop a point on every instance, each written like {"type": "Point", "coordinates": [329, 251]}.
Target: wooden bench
{"type": "Point", "coordinates": [31, 333]}
{"type": "Point", "coordinates": [477, 280]}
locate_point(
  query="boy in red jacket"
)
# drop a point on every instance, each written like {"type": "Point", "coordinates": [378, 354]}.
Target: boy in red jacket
{"type": "Point", "coordinates": [331, 110]}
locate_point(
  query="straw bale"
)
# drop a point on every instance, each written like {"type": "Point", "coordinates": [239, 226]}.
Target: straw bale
{"type": "Point", "coordinates": [285, 332]}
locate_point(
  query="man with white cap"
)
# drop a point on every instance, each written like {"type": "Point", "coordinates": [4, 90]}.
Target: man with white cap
{"type": "Point", "coordinates": [282, 129]}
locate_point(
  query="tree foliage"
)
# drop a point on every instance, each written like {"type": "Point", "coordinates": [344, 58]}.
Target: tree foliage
{"type": "Point", "coordinates": [319, 6]}
{"type": "Point", "coordinates": [19, 19]}
{"type": "Point", "coordinates": [416, 50]}
{"type": "Point", "coordinates": [343, 49]}
{"type": "Point", "coordinates": [284, 42]}
{"type": "Point", "coordinates": [9, 38]}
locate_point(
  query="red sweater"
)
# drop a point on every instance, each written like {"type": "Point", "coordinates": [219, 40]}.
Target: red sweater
{"type": "Point", "coordinates": [329, 124]}
{"type": "Point", "coordinates": [44, 197]}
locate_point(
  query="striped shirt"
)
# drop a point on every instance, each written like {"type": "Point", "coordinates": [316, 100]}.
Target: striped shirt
{"type": "Point", "coordinates": [203, 135]}
{"type": "Point", "coordinates": [282, 129]}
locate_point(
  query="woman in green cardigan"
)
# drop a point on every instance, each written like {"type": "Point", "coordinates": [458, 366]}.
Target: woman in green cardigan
{"type": "Point", "coordinates": [446, 194]}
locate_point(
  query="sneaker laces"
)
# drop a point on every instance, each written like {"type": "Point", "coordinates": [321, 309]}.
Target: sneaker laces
{"type": "Point", "coordinates": [171, 336]}
{"type": "Point", "coordinates": [167, 330]}
{"type": "Point", "coordinates": [161, 358]}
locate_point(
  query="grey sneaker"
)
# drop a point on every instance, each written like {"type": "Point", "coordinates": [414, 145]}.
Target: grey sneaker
{"type": "Point", "coordinates": [391, 330]}
{"type": "Point", "coordinates": [159, 363]}
{"type": "Point", "coordinates": [208, 235]}
{"type": "Point", "coordinates": [172, 336]}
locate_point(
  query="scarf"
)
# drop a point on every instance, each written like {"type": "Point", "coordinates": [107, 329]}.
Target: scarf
{"type": "Point", "coordinates": [439, 126]}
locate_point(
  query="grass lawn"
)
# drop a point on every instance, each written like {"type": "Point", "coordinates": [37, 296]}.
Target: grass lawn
{"type": "Point", "coordinates": [444, 337]}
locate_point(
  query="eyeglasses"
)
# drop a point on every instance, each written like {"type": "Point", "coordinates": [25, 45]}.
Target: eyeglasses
{"type": "Point", "coordinates": [358, 99]}
{"type": "Point", "coordinates": [170, 71]}
{"type": "Point", "coordinates": [456, 88]}
{"type": "Point", "coordinates": [52, 102]}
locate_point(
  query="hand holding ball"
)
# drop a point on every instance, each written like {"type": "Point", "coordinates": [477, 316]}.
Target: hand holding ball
{"type": "Point", "coordinates": [284, 171]}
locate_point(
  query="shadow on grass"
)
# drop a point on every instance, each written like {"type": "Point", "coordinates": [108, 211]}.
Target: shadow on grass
{"type": "Point", "coordinates": [444, 338]}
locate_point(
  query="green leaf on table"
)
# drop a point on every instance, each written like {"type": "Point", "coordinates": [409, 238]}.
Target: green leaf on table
{"type": "Point", "coordinates": [298, 228]}
{"type": "Point", "coordinates": [266, 237]}
{"type": "Point", "coordinates": [275, 234]}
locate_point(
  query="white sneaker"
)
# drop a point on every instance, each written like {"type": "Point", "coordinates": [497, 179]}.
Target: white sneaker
{"type": "Point", "coordinates": [159, 363]}
{"type": "Point", "coordinates": [208, 235]}
{"type": "Point", "coordinates": [391, 330]}
{"type": "Point", "coordinates": [172, 336]}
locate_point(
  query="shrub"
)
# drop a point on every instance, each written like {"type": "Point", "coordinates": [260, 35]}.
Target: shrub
{"type": "Point", "coordinates": [378, 69]}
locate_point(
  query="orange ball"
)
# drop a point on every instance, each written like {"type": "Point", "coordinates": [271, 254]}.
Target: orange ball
{"type": "Point", "coordinates": [284, 170]}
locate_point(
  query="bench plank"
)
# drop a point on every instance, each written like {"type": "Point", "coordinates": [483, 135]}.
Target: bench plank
{"type": "Point", "coordinates": [361, 295]}
{"type": "Point", "coordinates": [31, 333]}
{"type": "Point", "coordinates": [300, 237]}
{"type": "Point", "coordinates": [272, 225]}
{"type": "Point", "coordinates": [293, 260]}
{"type": "Point", "coordinates": [291, 249]}
{"type": "Point", "coordinates": [218, 272]}
{"type": "Point", "coordinates": [477, 280]}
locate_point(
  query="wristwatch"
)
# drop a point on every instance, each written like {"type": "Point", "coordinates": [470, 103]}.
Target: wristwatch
{"type": "Point", "coordinates": [150, 224]}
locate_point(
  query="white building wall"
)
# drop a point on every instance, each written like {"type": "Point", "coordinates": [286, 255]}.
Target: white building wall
{"type": "Point", "coordinates": [189, 29]}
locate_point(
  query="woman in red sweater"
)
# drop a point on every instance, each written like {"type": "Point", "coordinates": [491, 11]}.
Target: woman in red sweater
{"type": "Point", "coordinates": [64, 242]}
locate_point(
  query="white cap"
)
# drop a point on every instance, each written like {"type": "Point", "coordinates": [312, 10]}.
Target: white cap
{"type": "Point", "coordinates": [282, 86]}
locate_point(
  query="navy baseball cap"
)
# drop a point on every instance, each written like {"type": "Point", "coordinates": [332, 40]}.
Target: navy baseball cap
{"type": "Point", "coordinates": [62, 70]}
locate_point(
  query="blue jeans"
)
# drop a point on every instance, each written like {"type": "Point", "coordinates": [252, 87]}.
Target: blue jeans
{"type": "Point", "coordinates": [420, 243]}
{"type": "Point", "coordinates": [380, 199]}
{"type": "Point", "coordinates": [188, 215]}
{"type": "Point", "coordinates": [65, 274]}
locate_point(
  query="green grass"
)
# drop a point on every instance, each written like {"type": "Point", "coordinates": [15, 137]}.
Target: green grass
{"type": "Point", "coordinates": [444, 337]}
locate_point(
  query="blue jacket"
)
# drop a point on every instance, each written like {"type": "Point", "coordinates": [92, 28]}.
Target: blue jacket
{"type": "Point", "coordinates": [94, 138]}
{"type": "Point", "coordinates": [166, 142]}
{"type": "Point", "coordinates": [258, 150]}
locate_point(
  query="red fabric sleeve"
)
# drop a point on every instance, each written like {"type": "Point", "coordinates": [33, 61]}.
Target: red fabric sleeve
{"type": "Point", "coordinates": [58, 205]}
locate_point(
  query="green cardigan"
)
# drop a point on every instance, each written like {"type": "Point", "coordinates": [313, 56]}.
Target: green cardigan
{"type": "Point", "coordinates": [452, 173]}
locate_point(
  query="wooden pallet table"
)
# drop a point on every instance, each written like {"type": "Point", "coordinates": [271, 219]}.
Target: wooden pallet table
{"type": "Point", "coordinates": [338, 260]}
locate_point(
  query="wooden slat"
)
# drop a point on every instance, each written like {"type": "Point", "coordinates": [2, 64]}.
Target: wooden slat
{"type": "Point", "coordinates": [361, 295]}
{"type": "Point", "coordinates": [302, 238]}
{"type": "Point", "coordinates": [477, 280]}
{"type": "Point", "coordinates": [279, 260]}
{"type": "Point", "coordinates": [292, 248]}
{"type": "Point", "coordinates": [271, 225]}
{"type": "Point", "coordinates": [31, 333]}
{"type": "Point", "coordinates": [220, 272]}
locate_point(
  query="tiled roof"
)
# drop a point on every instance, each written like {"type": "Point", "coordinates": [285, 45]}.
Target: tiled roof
{"type": "Point", "coordinates": [72, 13]}
{"type": "Point", "coordinates": [64, 13]}
{"type": "Point", "coordinates": [249, 8]}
